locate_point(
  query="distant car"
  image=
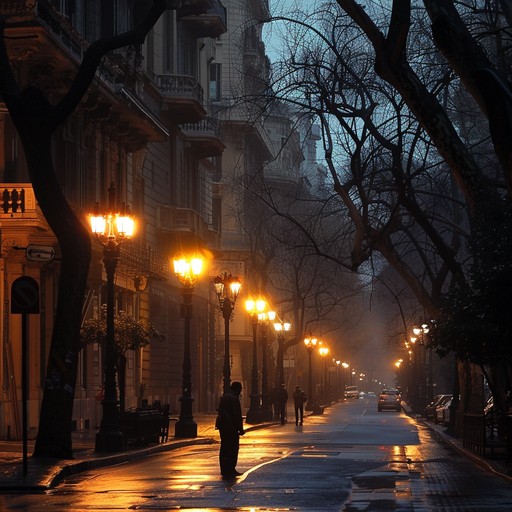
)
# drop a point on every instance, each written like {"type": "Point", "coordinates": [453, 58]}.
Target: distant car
{"type": "Point", "coordinates": [389, 399]}
{"type": "Point", "coordinates": [439, 414]}
{"type": "Point", "coordinates": [351, 392]}
{"type": "Point", "coordinates": [371, 394]}
{"type": "Point", "coordinates": [430, 409]}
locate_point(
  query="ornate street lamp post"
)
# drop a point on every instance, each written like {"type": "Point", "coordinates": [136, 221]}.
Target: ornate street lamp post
{"type": "Point", "coordinates": [324, 352]}
{"type": "Point", "coordinates": [281, 329]}
{"type": "Point", "coordinates": [227, 289]}
{"type": "Point", "coordinates": [266, 409]}
{"type": "Point", "coordinates": [344, 382]}
{"type": "Point", "coordinates": [254, 308]}
{"type": "Point", "coordinates": [425, 386]}
{"type": "Point", "coordinates": [111, 228]}
{"type": "Point", "coordinates": [187, 270]}
{"type": "Point", "coordinates": [311, 342]}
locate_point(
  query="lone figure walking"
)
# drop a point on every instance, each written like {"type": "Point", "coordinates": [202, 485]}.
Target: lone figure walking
{"type": "Point", "coordinates": [230, 424]}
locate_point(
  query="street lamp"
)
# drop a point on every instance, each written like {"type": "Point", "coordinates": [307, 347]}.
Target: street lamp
{"type": "Point", "coordinates": [281, 329]}
{"type": "Point", "coordinates": [346, 366]}
{"type": "Point", "coordinates": [111, 228]}
{"type": "Point", "coordinates": [187, 270]}
{"type": "Point", "coordinates": [426, 380]}
{"type": "Point", "coordinates": [266, 409]}
{"type": "Point", "coordinates": [254, 308]}
{"type": "Point", "coordinates": [324, 352]}
{"type": "Point", "coordinates": [227, 289]}
{"type": "Point", "coordinates": [311, 342]}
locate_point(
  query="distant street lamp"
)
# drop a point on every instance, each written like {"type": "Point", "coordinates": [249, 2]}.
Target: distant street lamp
{"type": "Point", "coordinates": [111, 228]}
{"type": "Point", "coordinates": [346, 366]}
{"type": "Point", "coordinates": [227, 289]}
{"type": "Point", "coordinates": [311, 342]}
{"type": "Point", "coordinates": [324, 352]}
{"type": "Point", "coordinates": [266, 408]}
{"type": "Point", "coordinates": [254, 308]}
{"type": "Point", "coordinates": [187, 270]}
{"type": "Point", "coordinates": [281, 329]}
{"type": "Point", "coordinates": [426, 387]}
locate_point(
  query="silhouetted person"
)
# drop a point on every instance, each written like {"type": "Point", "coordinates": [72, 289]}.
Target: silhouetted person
{"type": "Point", "coordinates": [299, 397]}
{"type": "Point", "coordinates": [230, 425]}
{"type": "Point", "coordinates": [282, 398]}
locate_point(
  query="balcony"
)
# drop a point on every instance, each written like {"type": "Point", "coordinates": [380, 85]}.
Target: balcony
{"type": "Point", "coordinates": [183, 225]}
{"type": "Point", "coordinates": [14, 7]}
{"type": "Point", "coordinates": [203, 137]}
{"type": "Point", "coordinates": [21, 218]}
{"type": "Point", "coordinates": [194, 7]}
{"type": "Point", "coordinates": [142, 260]}
{"type": "Point", "coordinates": [182, 98]}
{"type": "Point", "coordinates": [211, 23]}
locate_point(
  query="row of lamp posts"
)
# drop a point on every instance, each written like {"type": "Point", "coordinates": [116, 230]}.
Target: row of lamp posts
{"type": "Point", "coordinates": [114, 226]}
{"type": "Point", "coordinates": [260, 408]}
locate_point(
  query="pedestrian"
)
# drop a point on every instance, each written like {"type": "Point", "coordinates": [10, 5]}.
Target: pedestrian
{"type": "Point", "coordinates": [299, 398]}
{"type": "Point", "coordinates": [272, 398]}
{"type": "Point", "coordinates": [230, 424]}
{"type": "Point", "coordinates": [282, 398]}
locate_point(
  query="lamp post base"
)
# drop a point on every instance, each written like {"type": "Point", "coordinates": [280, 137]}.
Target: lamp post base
{"type": "Point", "coordinates": [253, 416]}
{"type": "Point", "coordinates": [110, 441]}
{"type": "Point", "coordinates": [266, 414]}
{"type": "Point", "coordinates": [314, 408]}
{"type": "Point", "coordinates": [186, 428]}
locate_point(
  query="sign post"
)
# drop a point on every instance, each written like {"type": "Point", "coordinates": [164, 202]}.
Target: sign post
{"type": "Point", "coordinates": [24, 301]}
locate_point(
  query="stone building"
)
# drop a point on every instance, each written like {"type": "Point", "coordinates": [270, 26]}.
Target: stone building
{"type": "Point", "coordinates": [167, 124]}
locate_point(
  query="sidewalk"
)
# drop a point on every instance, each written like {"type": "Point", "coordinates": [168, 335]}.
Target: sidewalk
{"type": "Point", "coordinates": [497, 466]}
{"type": "Point", "coordinates": [43, 474]}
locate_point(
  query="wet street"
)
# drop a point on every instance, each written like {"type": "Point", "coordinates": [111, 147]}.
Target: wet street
{"type": "Point", "coordinates": [352, 458]}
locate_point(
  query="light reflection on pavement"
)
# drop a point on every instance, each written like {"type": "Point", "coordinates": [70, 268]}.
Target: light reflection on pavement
{"type": "Point", "coordinates": [350, 459]}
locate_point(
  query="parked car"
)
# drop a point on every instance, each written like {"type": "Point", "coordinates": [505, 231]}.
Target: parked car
{"type": "Point", "coordinates": [389, 399]}
{"type": "Point", "coordinates": [446, 410]}
{"type": "Point", "coordinates": [439, 415]}
{"type": "Point", "coordinates": [491, 417]}
{"type": "Point", "coordinates": [430, 409]}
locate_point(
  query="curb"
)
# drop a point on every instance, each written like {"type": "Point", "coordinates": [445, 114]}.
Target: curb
{"type": "Point", "coordinates": [477, 459]}
{"type": "Point", "coordinates": [52, 472]}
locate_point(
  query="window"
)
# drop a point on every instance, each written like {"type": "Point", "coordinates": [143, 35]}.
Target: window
{"type": "Point", "coordinates": [215, 85]}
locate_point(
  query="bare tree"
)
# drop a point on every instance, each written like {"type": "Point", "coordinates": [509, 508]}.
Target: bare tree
{"type": "Point", "coordinates": [418, 187]}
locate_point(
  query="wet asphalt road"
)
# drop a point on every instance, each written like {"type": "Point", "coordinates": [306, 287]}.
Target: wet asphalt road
{"type": "Point", "coordinates": [350, 459]}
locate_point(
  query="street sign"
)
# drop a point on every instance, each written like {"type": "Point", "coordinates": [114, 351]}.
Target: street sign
{"type": "Point", "coordinates": [39, 253]}
{"type": "Point", "coordinates": [25, 296]}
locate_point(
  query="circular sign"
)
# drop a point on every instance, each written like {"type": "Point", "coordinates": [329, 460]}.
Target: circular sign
{"type": "Point", "coordinates": [25, 296]}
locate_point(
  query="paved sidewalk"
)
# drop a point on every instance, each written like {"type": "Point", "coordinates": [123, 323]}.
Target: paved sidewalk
{"type": "Point", "coordinates": [498, 466]}
{"type": "Point", "coordinates": [44, 473]}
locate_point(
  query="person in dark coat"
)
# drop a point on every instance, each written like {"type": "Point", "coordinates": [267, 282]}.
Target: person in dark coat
{"type": "Point", "coordinates": [282, 398]}
{"type": "Point", "coordinates": [230, 424]}
{"type": "Point", "coordinates": [299, 397]}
